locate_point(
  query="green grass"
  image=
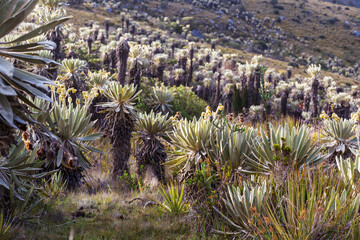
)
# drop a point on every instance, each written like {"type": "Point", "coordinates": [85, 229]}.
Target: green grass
{"type": "Point", "coordinates": [109, 215]}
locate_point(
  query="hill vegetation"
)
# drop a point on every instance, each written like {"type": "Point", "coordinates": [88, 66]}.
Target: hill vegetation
{"type": "Point", "coordinates": [179, 120]}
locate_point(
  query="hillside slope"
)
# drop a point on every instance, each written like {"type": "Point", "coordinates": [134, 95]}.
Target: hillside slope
{"type": "Point", "coordinates": [313, 28]}
{"type": "Point", "coordinates": [353, 3]}
{"type": "Point", "coordinates": [86, 15]}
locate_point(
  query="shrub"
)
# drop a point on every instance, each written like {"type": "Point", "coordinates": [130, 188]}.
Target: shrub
{"type": "Point", "coordinates": [187, 102]}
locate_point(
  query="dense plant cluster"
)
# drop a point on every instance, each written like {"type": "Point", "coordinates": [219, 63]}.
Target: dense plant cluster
{"type": "Point", "coordinates": [255, 152]}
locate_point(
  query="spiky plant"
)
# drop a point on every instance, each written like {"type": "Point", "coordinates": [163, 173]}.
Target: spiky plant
{"type": "Point", "coordinates": [16, 83]}
{"type": "Point", "coordinates": [160, 99]}
{"type": "Point", "coordinates": [312, 205]}
{"type": "Point", "coordinates": [244, 206]}
{"type": "Point", "coordinates": [339, 137]}
{"type": "Point", "coordinates": [283, 151]}
{"type": "Point", "coordinates": [150, 131]}
{"type": "Point", "coordinates": [51, 4]}
{"type": "Point", "coordinates": [231, 147]}
{"type": "Point", "coordinates": [120, 120]}
{"type": "Point", "coordinates": [71, 70]}
{"type": "Point", "coordinates": [69, 125]}
{"type": "Point", "coordinates": [174, 201]}
{"type": "Point", "coordinates": [97, 81]}
{"type": "Point", "coordinates": [18, 171]}
{"type": "Point", "coordinates": [160, 61]}
{"type": "Point", "coordinates": [349, 170]}
{"type": "Point", "coordinates": [137, 61]}
{"type": "Point", "coordinates": [314, 72]}
{"type": "Point", "coordinates": [191, 140]}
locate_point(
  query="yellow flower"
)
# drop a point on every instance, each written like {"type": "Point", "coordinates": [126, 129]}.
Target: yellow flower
{"type": "Point", "coordinates": [323, 115]}
{"type": "Point", "coordinates": [355, 116]}
{"type": "Point", "coordinates": [74, 90]}
{"type": "Point", "coordinates": [208, 108]}
{"type": "Point", "coordinates": [77, 101]}
{"type": "Point", "coordinates": [102, 91]}
{"type": "Point", "coordinates": [203, 114]}
{"type": "Point", "coordinates": [335, 117]}
{"type": "Point", "coordinates": [354, 128]}
{"type": "Point", "coordinates": [69, 99]}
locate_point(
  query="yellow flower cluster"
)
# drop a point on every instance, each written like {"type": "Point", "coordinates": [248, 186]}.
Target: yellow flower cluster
{"type": "Point", "coordinates": [62, 78]}
{"type": "Point", "coordinates": [85, 94]}
{"type": "Point", "coordinates": [220, 107]}
{"type": "Point", "coordinates": [324, 116]}
{"type": "Point", "coordinates": [63, 92]}
{"type": "Point", "coordinates": [176, 117]}
{"type": "Point", "coordinates": [335, 117]}
{"type": "Point", "coordinates": [355, 117]}
{"type": "Point", "coordinates": [208, 113]}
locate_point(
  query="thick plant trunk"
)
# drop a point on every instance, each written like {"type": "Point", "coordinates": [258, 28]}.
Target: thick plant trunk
{"type": "Point", "coordinates": [283, 103]}
{"type": "Point", "coordinates": [257, 87]}
{"type": "Point", "coordinates": [314, 97]}
{"type": "Point", "coordinates": [89, 43]}
{"type": "Point", "coordinates": [113, 61]}
{"type": "Point", "coordinates": [107, 62]}
{"type": "Point", "coordinates": [229, 98]}
{"type": "Point", "coordinates": [107, 27]}
{"type": "Point", "coordinates": [127, 25]}
{"type": "Point", "coordinates": [191, 56]}
{"type": "Point", "coordinates": [182, 63]}
{"type": "Point", "coordinates": [307, 100]}
{"type": "Point", "coordinates": [57, 54]}
{"type": "Point", "coordinates": [160, 73]}
{"type": "Point", "coordinates": [217, 94]}
{"type": "Point", "coordinates": [121, 141]}
{"type": "Point", "coordinates": [135, 76]}
{"type": "Point", "coordinates": [250, 90]}
{"type": "Point", "coordinates": [123, 23]}
{"type": "Point", "coordinates": [122, 52]}
{"type": "Point", "coordinates": [96, 34]}
{"type": "Point", "coordinates": [151, 154]}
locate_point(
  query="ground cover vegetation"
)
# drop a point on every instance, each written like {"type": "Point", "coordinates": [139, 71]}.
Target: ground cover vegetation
{"type": "Point", "coordinates": [122, 122]}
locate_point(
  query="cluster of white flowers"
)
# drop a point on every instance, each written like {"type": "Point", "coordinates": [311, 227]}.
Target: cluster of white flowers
{"type": "Point", "coordinates": [313, 70]}
{"type": "Point", "coordinates": [338, 98]}
{"type": "Point", "coordinates": [256, 110]}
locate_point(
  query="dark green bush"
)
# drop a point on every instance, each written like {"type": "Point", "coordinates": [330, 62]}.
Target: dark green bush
{"type": "Point", "coordinates": [187, 102]}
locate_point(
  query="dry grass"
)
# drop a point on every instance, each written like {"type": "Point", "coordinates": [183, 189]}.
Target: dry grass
{"type": "Point", "coordinates": [338, 40]}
